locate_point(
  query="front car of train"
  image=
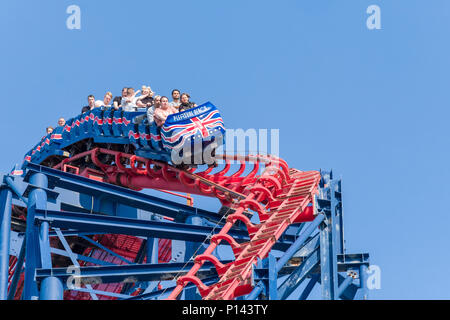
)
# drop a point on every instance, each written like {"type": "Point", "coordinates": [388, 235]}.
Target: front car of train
{"type": "Point", "coordinates": [191, 136]}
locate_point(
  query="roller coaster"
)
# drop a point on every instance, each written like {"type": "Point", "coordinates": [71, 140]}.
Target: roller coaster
{"type": "Point", "coordinates": [78, 224]}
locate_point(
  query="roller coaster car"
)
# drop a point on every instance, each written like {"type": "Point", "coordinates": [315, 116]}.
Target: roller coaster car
{"type": "Point", "coordinates": [188, 137]}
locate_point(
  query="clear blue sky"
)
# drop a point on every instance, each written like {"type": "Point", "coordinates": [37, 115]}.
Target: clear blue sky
{"type": "Point", "coordinates": [370, 104]}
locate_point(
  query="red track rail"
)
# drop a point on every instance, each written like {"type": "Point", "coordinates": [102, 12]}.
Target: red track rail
{"type": "Point", "coordinates": [280, 196]}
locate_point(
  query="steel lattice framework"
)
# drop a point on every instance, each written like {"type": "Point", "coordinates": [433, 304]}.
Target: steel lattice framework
{"type": "Point", "coordinates": [77, 224]}
{"type": "Point", "coordinates": [84, 238]}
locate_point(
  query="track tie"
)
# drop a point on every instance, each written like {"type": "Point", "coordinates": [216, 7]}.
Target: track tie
{"type": "Point", "coordinates": [270, 228]}
{"type": "Point", "coordinates": [279, 220]}
{"type": "Point", "coordinates": [253, 247]}
{"type": "Point", "coordinates": [234, 274]}
{"type": "Point", "coordinates": [284, 214]}
{"type": "Point", "coordinates": [265, 236]}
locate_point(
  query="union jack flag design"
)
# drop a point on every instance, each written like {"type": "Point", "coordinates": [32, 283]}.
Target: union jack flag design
{"type": "Point", "coordinates": [197, 123]}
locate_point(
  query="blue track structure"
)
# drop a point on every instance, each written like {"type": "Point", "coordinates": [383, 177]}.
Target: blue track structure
{"type": "Point", "coordinates": [77, 225]}
{"type": "Point", "coordinates": [307, 255]}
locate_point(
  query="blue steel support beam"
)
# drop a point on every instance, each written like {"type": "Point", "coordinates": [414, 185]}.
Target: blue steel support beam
{"type": "Point", "coordinates": [257, 289]}
{"type": "Point", "coordinates": [363, 292]}
{"type": "Point", "coordinates": [350, 292]}
{"type": "Point", "coordinates": [51, 289]}
{"type": "Point", "coordinates": [307, 290]}
{"type": "Point", "coordinates": [153, 258]}
{"type": "Point", "coordinates": [299, 242]}
{"type": "Point", "coordinates": [344, 285]}
{"type": "Point", "coordinates": [81, 257]}
{"type": "Point", "coordinates": [266, 276]}
{"type": "Point", "coordinates": [272, 277]}
{"type": "Point", "coordinates": [300, 274]}
{"type": "Point", "coordinates": [68, 233]}
{"type": "Point", "coordinates": [14, 188]}
{"type": "Point", "coordinates": [104, 293]}
{"type": "Point", "coordinates": [17, 272]}
{"type": "Point", "coordinates": [124, 273]}
{"type": "Point", "coordinates": [44, 245]}
{"type": "Point", "coordinates": [109, 251]}
{"type": "Point", "coordinates": [73, 258]}
{"type": "Point", "coordinates": [119, 225]}
{"type": "Point", "coordinates": [161, 294]}
{"type": "Point", "coordinates": [118, 194]}
{"type": "Point", "coordinates": [152, 250]}
{"type": "Point", "coordinates": [5, 231]}
{"type": "Point", "coordinates": [36, 200]}
{"type": "Point", "coordinates": [328, 252]}
{"type": "Point", "coordinates": [193, 249]}
{"type": "Point", "coordinates": [340, 218]}
{"type": "Point", "coordinates": [289, 253]}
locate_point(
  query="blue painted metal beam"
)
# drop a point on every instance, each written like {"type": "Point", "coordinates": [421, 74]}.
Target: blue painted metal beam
{"type": "Point", "coordinates": [257, 289]}
{"type": "Point", "coordinates": [308, 247]}
{"type": "Point", "coordinates": [272, 277]}
{"type": "Point", "coordinates": [300, 274]}
{"type": "Point", "coordinates": [119, 194]}
{"type": "Point", "coordinates": [109, 251]}
{"type": "Point", "coordinates": [163, 293]}
{"type": "Point", "coordinates": [17, 272]}
{"type": "Point", "coordinates": [307, 290]}
{"type": "Point", "coordinates": [81, 257]}
{"type": "Point", "coordinates": [300, 241]}
{"type": "Point", "coordinates": [119, 225]}
{"type": "Point", "coordinates": [193, 249]}
{"type": "Point", "coordinates": [51, 289]}
{"type": "Point", "coordinates": [351, 290]}
{"type": "Point", "coordinates": [5, 231]}
{"type": "Point", "coordinates": [76, 233]}
{"type": "Point", "coordinates": [328, 250]}
{"type": "Point", "coordinates": [352, 260]}
{"type": "Point", "coordinates": [104, 293]}
{"type": "Point", "coordinates": [347, 294]}
{"type": "Point", "coordinates": [9, 181]}
{"type": "Point", "coordinates": [344, 285]}
{"type": "Point", "coordinates": [126, 273]}
{"type": "Point", "coordinates": [363, 292]}
{"type": "Point", "coordinates": [37, 199]}
{"type": "Point", "coordinates": [73, 258]}
{"type": "Point", "coordinates": [294, 248]}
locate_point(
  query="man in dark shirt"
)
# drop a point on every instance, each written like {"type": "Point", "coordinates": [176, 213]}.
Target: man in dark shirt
{"type": "Point", "coordinates": [91, 104]}
{"type": "Point", "coordinates": [118, 100]}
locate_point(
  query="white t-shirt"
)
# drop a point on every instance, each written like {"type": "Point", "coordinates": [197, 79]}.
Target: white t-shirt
{"type": "Point", "coordinates": [100, 103]}
{"type": "Point", "coordinates": [175, 104]}
{"type": "Point", "coordinates": [129, 106]}
{"type": "Point", "coordinates": [150, 113]}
